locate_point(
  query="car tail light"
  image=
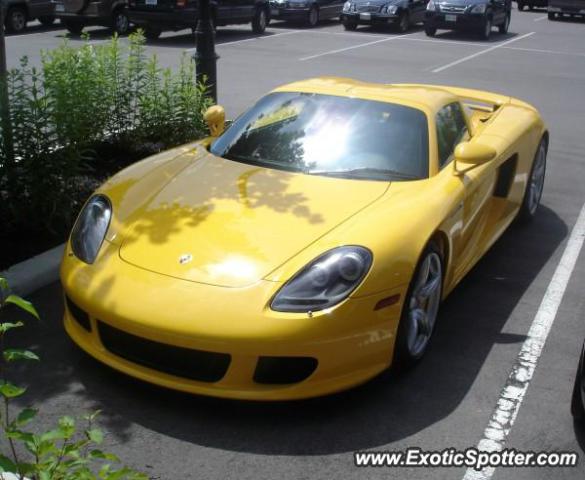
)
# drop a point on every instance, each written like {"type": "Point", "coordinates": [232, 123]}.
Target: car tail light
{"type": "Point", "coordinates": [181, 3]}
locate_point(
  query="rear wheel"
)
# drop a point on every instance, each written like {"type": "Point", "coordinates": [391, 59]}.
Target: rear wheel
{"type": "Point", "coordinates": [260, 21]}
{"type": "Point", "coordinates": [313, 18]}
{"type": "Point", "coordinates": [535, 186]}
{"type": "Point", "coordinates": [15, 20]}
{"type": "Point", "coordinates": [120, 22]}
{"type": "Point", "coordinates": [403, 22]}
{"type": "Point", "coordinates": [503, 28]}
{"type": "Point", "coordinates": [487, 29]}
{"type": "Point", "coordinates": [74, 27]}
{"type": "Point", "coordinates": [577, 406]}
{"type": "Point", "coordinates": [430, 31]}
{"type": "Point", "coordinates": [47, 20]}
{"type": "Point", "coordinates": [420, 310]}
{"type": "Point", "coordinates": [152, 32]}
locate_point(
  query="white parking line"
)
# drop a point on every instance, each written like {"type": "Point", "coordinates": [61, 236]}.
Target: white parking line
{"type": "Point", "coordinates": [254, 39]}
{"type": "Point", "coordinates": [539, 19]}
{"type": "Point", "coordinates": [553, 52]}
{"type": "Point", "coordinates": [339, 50]}
{"type": "Point", "coordinates": [487, 50]}
{"type": "Point", "coordinates": [518, 381]}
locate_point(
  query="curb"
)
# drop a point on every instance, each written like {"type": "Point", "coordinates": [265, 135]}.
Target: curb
{"type": "Point", "coordinates": [37, 272]}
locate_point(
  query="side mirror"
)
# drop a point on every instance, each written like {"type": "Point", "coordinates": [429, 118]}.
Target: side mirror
{"type": "Point", "coordinates": [473, 154]}
{"type": "Point", "coordinates": [215, 119]}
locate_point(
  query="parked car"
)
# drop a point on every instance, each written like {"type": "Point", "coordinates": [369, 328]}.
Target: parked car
{"type": "Point", "coordinates": [268, 284]}
{"type": "Point", "coordinates": [578, 403]}
{"type": "Point", "coordinates": [18, 12]}
{"type": "Point", "coordinates": [155, 16]}
{"type": "Point", "coordinates": [309, 12]}
{"type": "Point", "coordinates": [472, 15]}
{"type": "Point", "coordinates": [560, 8]}
{"type": "Point", "coordinates": [522, 4]}
{"type": "Point", "coordinates": [399, 13]}
{"type": "Point", "coordinates": [77, 14]}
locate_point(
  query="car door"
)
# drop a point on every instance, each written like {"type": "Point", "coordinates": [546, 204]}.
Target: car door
{"type": "Point", "coordinates": [239, 10]}
{"type": "Point", "coordinates": [329, 8]}
{"type": "Point", "coordinates": [474, 189]}
{"type": "Point", "coordinates": [39, 8]}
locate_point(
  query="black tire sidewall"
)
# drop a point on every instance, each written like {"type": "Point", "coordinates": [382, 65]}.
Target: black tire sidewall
{"type": "Point", "coordinates": [9, 22]}
{"type": "Point", "coordinates": [115, 23]}
{"type": "Point", "coordinates": [524, 215]}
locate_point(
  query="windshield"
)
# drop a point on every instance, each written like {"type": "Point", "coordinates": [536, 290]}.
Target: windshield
{"type": "Point", "coordinates": [330, 135]}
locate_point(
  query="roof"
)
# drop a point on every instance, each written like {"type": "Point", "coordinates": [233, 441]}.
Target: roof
{"type": "Point", "coordinates": [421, 96]}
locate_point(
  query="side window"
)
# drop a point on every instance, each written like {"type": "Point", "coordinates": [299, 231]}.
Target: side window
{"type": "Point", "coordinates": [451, 129]}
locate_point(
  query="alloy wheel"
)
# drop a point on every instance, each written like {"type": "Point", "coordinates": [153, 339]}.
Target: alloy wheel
{"type": "Point", "coordinates": [536, 185]}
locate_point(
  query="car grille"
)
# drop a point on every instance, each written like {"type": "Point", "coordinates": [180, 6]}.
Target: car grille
{"type": "Point", "coordinates": [368, 8]}
{"type": "Point", "coordinates": [445, 7]}
{"type": "Point", "coordinates": [193, 364]}
{"type": "Point", "coordinates": [284, 370]}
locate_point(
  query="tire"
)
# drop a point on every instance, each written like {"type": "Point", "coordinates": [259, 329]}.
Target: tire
{"type": "Point", "coordinates": [152, 32]}
{"type": "Point", "coordinates": [260, 21]}
{"type": "Point", "coordinates": [120, 22]}
{"type": "Point", "coordinates": [521, 6]}
{"type": "Point", "coordinates": [577, 407]}
{"type": "Point", "coordinates": [430, 31]}
{"type": "Point", "coordinates": [535, 185]}
{"type": "Point", "coordinates": [531, 7]}
{"type": "Point", "coordinates": [503, 28]}
{"type": "Point", "coordinates": [350, 26]}
{"type": "Point", "coordinates": [486, 30]}
{"type": "Point", "coordinates": [47, 21]}
{"type": "Point", "coordinates": [403, 22]}
{"type": "Point", "coordinates": [16, 20]}
{"type": "Point", "coordinates": [552, 16]}
{"type": "Point", "coordinates": [313, 17]}
{"type": "Point", "coordinates": [74, 27]}
{"type": "Point", "coordinates": [416, 327]}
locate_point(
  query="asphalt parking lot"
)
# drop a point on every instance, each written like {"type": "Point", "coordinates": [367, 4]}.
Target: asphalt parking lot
{"type": "Point", "coordinates": [449, 398]}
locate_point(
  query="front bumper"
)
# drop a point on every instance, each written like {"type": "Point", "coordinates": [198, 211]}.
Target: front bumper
{"type": "Point", "coordinates": [351, 342]}
{"type": "Point", "coordinates": [455, 21]}
{"type": "Point", "coordinates": [288, 13]}
{"type": "Point", "coordinates": [175, 20]}
{"type": "Point", "coordinates": [366, 18]}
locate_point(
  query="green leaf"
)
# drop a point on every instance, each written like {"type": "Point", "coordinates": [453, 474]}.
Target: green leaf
{"type": "Point", "coordinates": [7, 465]}
{"type": "Point", "coordinates": [9, 390]}
{"type": "Point", "coordinates": [98, 454]}
{"type": "Point", "coordinates": [23, 304]}
{"type": "Point", "coordinates": [4, 327]}
{"type": "Point", "coordinates": [95, 435]}
{"type": "Point", "coordinates": [14, 354]}
{"type": "Point", "coordinates": [25, 416]}
{"type": "Point", "coordinates": [67, 426]}
{"type": "Point", "coordinates": [3, 284]}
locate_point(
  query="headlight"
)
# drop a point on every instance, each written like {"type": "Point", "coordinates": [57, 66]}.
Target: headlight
{"type": "Point", "coordinates": [325, 281]}
{"type": "Point", "coordinates": [391, 9]}
{"type": "Point", "coordinates": [347, 6]}
{"type": "Point", "coordinates": [90, 228]}
{"type": "Point", "coordinates": [431, 7]}
{"type": "Point", "coordinates": [479, 8]}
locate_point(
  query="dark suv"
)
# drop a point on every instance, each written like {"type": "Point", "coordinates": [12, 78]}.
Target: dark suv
{"type": "Point", "coordinates": [77, 14]}
{"type": "Point", "coordinates": [154, 16]}
{"type": "Point", "coordinates": [18, 12]}
{"type": "Point", "coordinates": [571, 8]}
{"type": "Point", "coordinates": [474, 15]}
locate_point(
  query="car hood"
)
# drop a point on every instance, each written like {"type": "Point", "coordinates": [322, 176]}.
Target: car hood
{"type": "Point", "coordinates": [230, 224]}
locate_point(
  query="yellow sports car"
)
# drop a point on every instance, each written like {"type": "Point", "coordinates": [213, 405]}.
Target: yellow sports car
{"type": "Point", "coordinates": [308, 246]}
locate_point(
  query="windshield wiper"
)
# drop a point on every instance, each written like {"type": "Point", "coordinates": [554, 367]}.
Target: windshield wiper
{"type": "Point", "coordinates": [362, 172]}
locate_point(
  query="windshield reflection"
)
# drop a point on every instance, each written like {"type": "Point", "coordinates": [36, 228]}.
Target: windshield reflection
{"type": "Point", "coordinates": [330, 135]}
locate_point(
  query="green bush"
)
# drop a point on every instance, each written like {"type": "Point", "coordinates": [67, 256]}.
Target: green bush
{"type": "Point", "coordinates": [85, 112]}
{"type": "Point", "coordinates": [63, 453]}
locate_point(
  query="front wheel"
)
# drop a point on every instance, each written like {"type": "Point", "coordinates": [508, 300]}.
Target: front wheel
{"type": "Point", "coordinates": [74, 27]}
{"type": "Point", "coordinates": [120, 22]}
{"type": "Point", "coordinates": [487, 29]}
{"type": "Point", "coordinates": [350, 26]}
{"type": "Point", "coordinates": [430, 31]}
{"type": "Point", "coordinates": [47, 21]}
{"type": "Point", "coordinates": [260, 21]}
{"type": "Point", "coordinates": [403, 22]}
{"type": "Point", "coordinates": [15, 20]}
{"type": "Point", "coordinates": [535, 186]}
{"type": "Point", "coordinates": [503, 28]}
{"type": "Point", "coordinates": [577, 402]}
{"type": "Point", "coordinates": [313, 18]}
{"type": "Point", "coordinates": [420, 309]}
